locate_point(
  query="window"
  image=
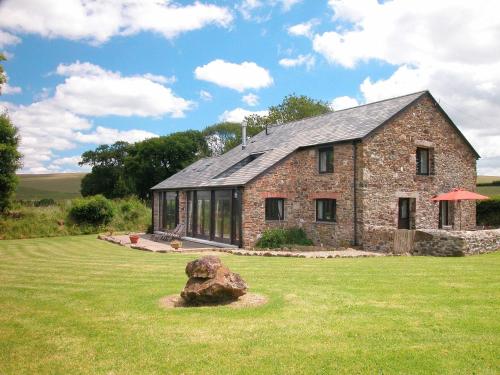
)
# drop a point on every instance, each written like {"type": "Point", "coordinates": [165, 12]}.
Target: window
{"type": "Point", "coordinates": [445, 213]}
{"type": "Point", "coordinates": [325, 156]}
{"type": "Point", "coordinates": [326, 210]}
{"type": "Point", "coordinates": [423, 161]}
{"type": "Point", "coordinates": [275, 209]}
{"type": "Point", "coordinates": [170, 210]}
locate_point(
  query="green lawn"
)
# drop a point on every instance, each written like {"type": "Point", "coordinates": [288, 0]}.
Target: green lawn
{"type": "Point", "coordinates": [56, 186]}
{"type": "Point", "coordinates": [79, 305]}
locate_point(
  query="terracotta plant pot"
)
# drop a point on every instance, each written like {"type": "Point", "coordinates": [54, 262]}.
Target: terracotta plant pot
{"type": "Point", "coordinates": [176, 244]}
{"type": "Point", "coordinates": [134, 238]}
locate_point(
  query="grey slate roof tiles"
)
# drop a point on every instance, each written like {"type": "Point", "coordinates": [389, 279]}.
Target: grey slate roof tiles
{"type": "Point", "coordinates": [282, 140]}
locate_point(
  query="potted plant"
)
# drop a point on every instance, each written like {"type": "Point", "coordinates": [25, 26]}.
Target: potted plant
{"type": "Point", "coordinates": [134, 238]}
{"type": "Point", "coordinates": [175, 244]}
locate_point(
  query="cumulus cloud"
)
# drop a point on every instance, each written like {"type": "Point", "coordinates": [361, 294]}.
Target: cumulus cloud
{"type": "Point", "coordinates": [7, 39]}
{"type": "Point", "coordinates": [239, 114]}
{"type": "Point", "coordinates": [302, 60]}
{"type": "Point", "coordinates": [343, 102]}
{"type": "Point", "coordinates": [239, 77]}
{"type": "Point", "coordinates": [250, 99]}
{"type": "Point", "coordinates": [93, 91]}
{"type": "Point", "coordinates": [58, 123]}
{"type": "Point", "coordinates": [303, 29]}
{"type": "Point", "coordinates": [98, 21]}
{"type": "Point", "coordinates": [456, 56]}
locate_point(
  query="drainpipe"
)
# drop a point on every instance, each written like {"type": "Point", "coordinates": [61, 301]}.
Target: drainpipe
{"type": "Point", "coordinates": [244, 134]}
{"type": "Point", "coordinates": [355, 183]}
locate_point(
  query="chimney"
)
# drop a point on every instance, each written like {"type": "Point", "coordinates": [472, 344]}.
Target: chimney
{"type": "Point", "coordinates": [244, 134]}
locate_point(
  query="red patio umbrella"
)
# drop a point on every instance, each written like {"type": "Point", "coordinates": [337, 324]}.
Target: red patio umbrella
{"type": "Point", "coordinates": [459, 195]}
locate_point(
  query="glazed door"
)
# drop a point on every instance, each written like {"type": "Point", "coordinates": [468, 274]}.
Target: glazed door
{"type": "Point", "coordinates": [404, 213]}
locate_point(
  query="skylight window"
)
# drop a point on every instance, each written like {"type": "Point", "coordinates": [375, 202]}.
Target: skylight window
{"type": "Point", "coordinates": [236, 167]}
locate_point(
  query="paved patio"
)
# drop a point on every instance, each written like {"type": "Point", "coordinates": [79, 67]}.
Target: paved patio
{"type": "Point", "coordinates": [146, 244]}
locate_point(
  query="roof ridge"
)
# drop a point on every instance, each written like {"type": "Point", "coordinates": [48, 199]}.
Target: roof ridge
{"type": "Point", "coordinates": [346, 109]}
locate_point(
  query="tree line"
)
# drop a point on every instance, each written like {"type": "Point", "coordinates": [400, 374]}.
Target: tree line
{"type": "Point", "coordinates": [123, 169]}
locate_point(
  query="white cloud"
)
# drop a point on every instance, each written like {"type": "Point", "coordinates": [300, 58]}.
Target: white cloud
{"type": "Point", "coordinates": [107, 135]}
{"type": "Point", "coordinates": [206, 96]}
{"type": "Point", "coordinates": [343, 102]}
{"type": "Point", "coordinates": [70, 160]}
{"type": "Point", "coordinates": [10, 90]}
{"type": "Point", "coordinates": [288, 4]}
{"type": "Point", "coordinates": [307, 60]}
{"type": "Point", "coordinates": [7, 39]}
{"type": "Point", "coordinates": [239, 77]}
{"type": "Point", "coordinates": [56, 123]}
{"type": "Point", "coordinates": [246, 7]}
{"type": "Point", "coordinates": [456, 56]}
{"type": "Point", "coordinates": [239, 114]}
{"type": "Point", "coordinates": [250, 99]}
{"type": "Point", "coordinates": [303, 29]}
{"type": "Point", "coordinates": [98, 21]}
{"type": "Point", "coordinates": [91, 90]}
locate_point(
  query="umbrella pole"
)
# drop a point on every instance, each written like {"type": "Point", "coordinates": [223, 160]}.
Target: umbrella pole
{"type": "Point", "coordinates": [460, 213]}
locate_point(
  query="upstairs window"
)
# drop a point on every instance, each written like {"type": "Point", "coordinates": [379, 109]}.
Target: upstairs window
{"type": "Point", "coordinates": [326, 210]}
{"type": "Point", "coordinates": [325, 156]}
{"type": "Point", "coordinates": [423, 162]}
{"type": "Point", "coordinates": [275, 209]}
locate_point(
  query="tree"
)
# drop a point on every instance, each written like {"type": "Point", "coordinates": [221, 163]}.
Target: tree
{"type": "Point", "coordinates": [222, 137]}
{"type": "Point", "coordinates": [3, 77]}
{"type": "Point", "coordinates": [153, 160]}
{"type": "Point", "coordinates": [108, 171]}
{"type": "Point", "coordinates": [10, 158]}
{"type": "Point", "coordinates": [10, 161]}
{"type": "Point", "coordinates": [292, 108]}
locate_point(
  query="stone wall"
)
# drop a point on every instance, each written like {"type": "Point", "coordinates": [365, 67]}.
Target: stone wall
{"type": "Point", "coordinates": [389, 171]}
{"type": "Point", "coordinates": [298, 180]}
{"type": "Point", "coordinates": [456, 243]}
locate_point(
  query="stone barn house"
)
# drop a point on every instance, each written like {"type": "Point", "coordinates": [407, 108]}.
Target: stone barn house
{"type": "Point", "coordinates": [349, 177]}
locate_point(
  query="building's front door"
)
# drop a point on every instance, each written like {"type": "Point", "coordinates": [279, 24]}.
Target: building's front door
{"type": "Point", "coordinates": [406, 213]}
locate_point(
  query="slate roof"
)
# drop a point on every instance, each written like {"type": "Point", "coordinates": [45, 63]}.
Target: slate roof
{"type": "Point", "coordinates": [282, 140]}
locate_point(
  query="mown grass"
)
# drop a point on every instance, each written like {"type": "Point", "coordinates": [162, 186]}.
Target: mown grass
{"type": "Point", "coordinates": [79, 305]}
{"type": "Point", "coordinates": [56, 186]}
{"type": "Point", "coordinates": [31, 222]}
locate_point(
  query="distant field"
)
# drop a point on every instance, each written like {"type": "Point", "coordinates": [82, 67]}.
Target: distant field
{"type": "Point", "coordinates": [487, 179]}
{"type": "Point", "coordinates": [55, 186]}
{"type": "Point", "coordinates": [67, 186]}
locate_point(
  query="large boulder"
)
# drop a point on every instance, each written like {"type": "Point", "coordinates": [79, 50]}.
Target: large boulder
{"type": "Point", "coordinates": [211, 282]}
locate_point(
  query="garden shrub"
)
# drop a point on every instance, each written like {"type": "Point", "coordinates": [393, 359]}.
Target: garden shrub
{"type": "Point", "coordinates": [488, 212]}
{"type": "Point", "coordinates": [94, 210]}
{"type": "Point", "coordinates": [275, 238]}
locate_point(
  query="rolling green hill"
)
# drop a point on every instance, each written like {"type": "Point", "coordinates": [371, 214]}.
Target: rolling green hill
{"type": "Point", "coordinates": [55, 186]}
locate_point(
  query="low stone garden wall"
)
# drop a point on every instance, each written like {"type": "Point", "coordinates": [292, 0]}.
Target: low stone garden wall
{"type": "Point", "coordinates": [433, 241]}
{"type": "Point", "coordinates": [456, 243]}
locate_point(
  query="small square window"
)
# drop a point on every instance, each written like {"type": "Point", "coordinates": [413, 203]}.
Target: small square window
{"type": "Point", "coordinates": [325, 156]}
{"type": "Point", "coordinates": [423, 161]}
{"type": "Point", "coordinates": [275, 209]}
{"type": "Point", "coordinates": [326, 210]}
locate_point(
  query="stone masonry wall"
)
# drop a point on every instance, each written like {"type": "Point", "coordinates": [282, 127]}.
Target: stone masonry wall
{"type": "Point", "coordinates": [456, 243]}
{"type": "Point", "coordinates": [389, 172]}
{"type": "Point", "coordinates": [297, 178]}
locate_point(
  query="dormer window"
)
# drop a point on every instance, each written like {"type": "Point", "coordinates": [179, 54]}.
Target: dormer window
{"type": "Point", "coordinates": [325, 157]}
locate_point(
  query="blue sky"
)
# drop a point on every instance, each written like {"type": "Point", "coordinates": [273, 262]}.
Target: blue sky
{"type": "Point", "coordinates": [83, 73]}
